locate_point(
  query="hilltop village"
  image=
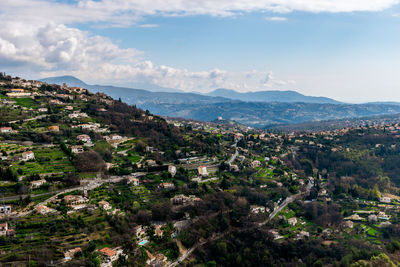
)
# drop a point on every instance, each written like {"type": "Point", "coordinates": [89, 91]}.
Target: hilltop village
{"type": "Point", "coordinates": [87, 180]}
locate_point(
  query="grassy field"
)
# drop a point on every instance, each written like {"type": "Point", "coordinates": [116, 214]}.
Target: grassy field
{"type": "Point", "coordinates": [10, 147]}
{"type": "Point", "coordinates": [36, 232]}
{"type": "Point", "coordinates": [133, 157]}
{"type": "Point", "coordinates": [47, 160]}
{"type": "Point", "coordinates": [26, 102]}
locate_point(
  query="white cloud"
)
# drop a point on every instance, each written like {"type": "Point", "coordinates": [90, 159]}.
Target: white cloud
{"type": "Point", "coordinates": [120, 13]}
{"type": "Point", "coordinates": [276, 18]}
{"type": "Point", "coordinates": [38, 35]}
{"type": "Point", "coordinates": [148, 25]}
{"type": "Point", "coordinates": [147, 72]}
{"type": "Point", "coordinates": [56, 47]}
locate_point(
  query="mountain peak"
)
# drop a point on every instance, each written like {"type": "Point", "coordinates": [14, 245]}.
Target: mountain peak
{"type": "Point", "coordinates": [68, 79]}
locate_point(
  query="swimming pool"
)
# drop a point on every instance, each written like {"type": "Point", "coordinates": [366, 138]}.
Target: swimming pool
{"type": "Point", "coordinates": [143, 242]}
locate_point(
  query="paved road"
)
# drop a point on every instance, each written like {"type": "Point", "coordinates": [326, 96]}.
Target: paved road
{"type": "Point", "coordinates": [190, 251]}
{"type": "Point", "coordinates": [217, 236]}
{"type": "Point", "coordinates": [233, 157]}
{"type": "Point", "coordinates": [11, 198]}
{"type": "Point", "coordinates": [31, 119]}
{"type": "Point", "coordinates": [288, 200]}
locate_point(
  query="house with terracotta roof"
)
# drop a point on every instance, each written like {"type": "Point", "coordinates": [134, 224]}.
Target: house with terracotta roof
{"type": "Point", "coordinates": [70, 254]}
{"type": "Point", "coordinates": [42, 209]}
{"type": "Point", "coordinates": [28, 155]}
{"type": "Point", "coordinates": [53, 128]}
{"type": "Point", "coordinates": [132, 180]}
{"type": "Point", "coordinates": [75, 199]}
{"type": "Point", "coordinates": [6, 130]}
{"type": "Point", "coordinates": [105, 205]}
{"type": "Point", "coordinates": [5, 231]}
{"type": "Point", "coordinates": [109, 254]}
{"type": "Point", "coordinates": [3, 228]}
{"type": "Point", "coordinates": [202, 170]}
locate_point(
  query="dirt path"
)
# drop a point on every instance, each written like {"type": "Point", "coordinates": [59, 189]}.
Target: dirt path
{"type": "Point", "coordinates": [182, 249]}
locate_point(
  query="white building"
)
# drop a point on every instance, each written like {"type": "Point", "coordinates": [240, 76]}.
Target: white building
{"type": "Point", "coordinates": [77, 115]}
{"type": "Point", "coordinates": [77, 149]}
{"type": "Point", "coordinates": [6, 130]}
{"type": "Point", "coordinates": [28, 155]}
{"type": "Point", "coordinates": [115, 137]}
{"type": "Point", "coordinates": [42, 209]}
{"type": "Point", "coordinates": [105, 205]}
{"type": "Point", "coordinates": [257, 209]}
{"type": "Point", "coordinates": [255, 164]}
{"type": "Point", "coordinates": [172, 170]}
{"type": "Point", "coordinates": [5, 209]}
{"type": "Point", "coordinates": [202, 170]}
{"type": "Point", "coordinates": [385, 200]}
{"type": "Point", "coordinates": [3, 228]}
{"type": "Point", "coordinates": [38, 183]}
{"type": "Point", "coordinates": [84, 138]}
{"type": "Point", "coordinates": [18, 94]}
{"type": "Point", "coordinates": [292, 221]}
{"type": "Point", "coordinates": [132, 180]}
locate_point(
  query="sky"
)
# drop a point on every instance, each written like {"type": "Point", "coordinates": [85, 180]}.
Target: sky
{"type": "Point", "coordinates": [345, 49]}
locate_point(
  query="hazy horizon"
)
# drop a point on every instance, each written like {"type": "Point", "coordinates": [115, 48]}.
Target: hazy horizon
{"type": "Point", "coordinates": [345, 50]}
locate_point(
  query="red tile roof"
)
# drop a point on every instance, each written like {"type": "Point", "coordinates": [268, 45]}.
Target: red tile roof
{"type": "Point", "coordinates": [108, 252]}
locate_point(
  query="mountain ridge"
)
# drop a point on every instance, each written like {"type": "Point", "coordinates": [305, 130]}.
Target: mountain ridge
{"type": "Point", "coordinates": [74, 81]}
{"type": "Point", "coordinates": [287, 96]}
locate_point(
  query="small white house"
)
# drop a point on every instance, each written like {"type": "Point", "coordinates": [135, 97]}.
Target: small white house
{"type": "Point", "coordinates": [38, 183]}
{"type": "Point", "coordinates": [202, 170]}
{"type": "Point", "coordinates": [77, 149]}
{"type": "Point", "coordinates": [115, 137]}
{"type": "Point", "coordinates": [255, 164]}
{"type": "Point", "coordinates": [105, 205]}
{"type": "Point", "coordinates": [292, 221]}
{"type": "Point", "coordinates": [3, 228]}
{"type": "Point", "coordinates": [5, 209]}
{"type": "Point", "coordinates": [28, 155]}
{"type": "Point", "coordinates": [172, 170]}
{"type": "Point", "coordinates": [6, 130]}
{"type": "Point", "coordinates": [385, 200]}
{"type": "Point", "coordinates": [84, 138]}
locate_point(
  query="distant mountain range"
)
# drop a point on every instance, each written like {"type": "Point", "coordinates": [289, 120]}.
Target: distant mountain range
{"type": "Point", "coordinates": [259, 114]}
{"type": "Point", "coordinates": [271, 96]}
{"type": "Point", "coordinates": [259, 109]}
{"type": "Point", "coordinates": [137, 97]}
{"type": "Point", "coordinates": [73, 81]}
